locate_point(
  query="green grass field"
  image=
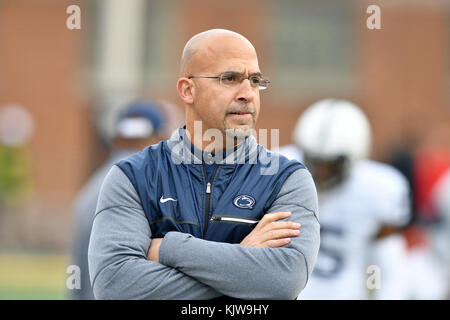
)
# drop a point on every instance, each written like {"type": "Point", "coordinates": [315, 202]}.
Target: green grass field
{"type": "Point", "coordinates": [33, 276]}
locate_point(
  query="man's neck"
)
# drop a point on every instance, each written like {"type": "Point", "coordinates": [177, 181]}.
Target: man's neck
{"type": "Point", "coordinates": [212, 143]}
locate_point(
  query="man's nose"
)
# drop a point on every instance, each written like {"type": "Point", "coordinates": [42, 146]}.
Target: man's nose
{"type": "Point", "coordinates": [246, 92]}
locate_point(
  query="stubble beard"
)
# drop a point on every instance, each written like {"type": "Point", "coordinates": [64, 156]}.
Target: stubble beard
{"type": "Point", "coordinates": [240, 132]}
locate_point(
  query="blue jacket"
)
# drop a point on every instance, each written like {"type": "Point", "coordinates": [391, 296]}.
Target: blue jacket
{"type": "Point", "coordinates": [177, 195]}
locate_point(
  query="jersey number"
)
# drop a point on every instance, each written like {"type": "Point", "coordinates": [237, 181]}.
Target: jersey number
{"type": "Point", "coordinates": [330, 260]}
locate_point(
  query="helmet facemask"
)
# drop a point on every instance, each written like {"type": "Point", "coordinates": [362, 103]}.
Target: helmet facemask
{"type": "Point", "coordinates": [327, 172]}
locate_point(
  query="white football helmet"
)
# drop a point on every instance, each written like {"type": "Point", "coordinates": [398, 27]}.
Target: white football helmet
{"type": "Point", "coordinates": [333, 132]}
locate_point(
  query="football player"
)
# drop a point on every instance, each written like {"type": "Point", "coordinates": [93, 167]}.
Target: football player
{"type": "Point", "coordinates": [441, 236]}
{"type": "Point", "coordinates": [362, 204]}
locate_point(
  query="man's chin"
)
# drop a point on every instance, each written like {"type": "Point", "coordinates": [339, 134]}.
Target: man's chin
{"type": "Point", "coordinates": [239, 132]}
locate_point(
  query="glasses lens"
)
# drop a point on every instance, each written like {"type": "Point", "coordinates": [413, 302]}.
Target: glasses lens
{"type": "Point", "coordinates": [230, 79]}
{"type": "Point", "coordinates": [255, 81]}
{"type": "Point", "coordinates": [263, 84]}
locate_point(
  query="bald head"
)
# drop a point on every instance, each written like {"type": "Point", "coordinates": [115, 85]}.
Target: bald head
{"type": "Point", "coordinates": [203, 48]}
{"type": "Point", "coordinates": [228, 103]}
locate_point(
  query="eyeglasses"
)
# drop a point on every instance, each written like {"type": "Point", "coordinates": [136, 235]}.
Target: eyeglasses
{"type": "Point", "coordinates": [233, 79]}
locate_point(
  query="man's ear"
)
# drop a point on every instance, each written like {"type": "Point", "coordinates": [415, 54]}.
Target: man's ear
{"type": "Point", "coordinates": [186, 90]}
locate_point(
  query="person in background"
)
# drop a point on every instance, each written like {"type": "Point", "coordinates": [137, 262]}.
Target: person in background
{"type": "Point", "coordinates": [139, 124]}
{"type": "Point", "coordinates": [441, 234]}
{"type": "Point", "coordinates": [427, 236]}
{"type": "Point", "coordinates": [362, 203]}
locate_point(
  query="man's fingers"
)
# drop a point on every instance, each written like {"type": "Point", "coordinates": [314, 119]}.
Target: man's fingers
{"type": "Point", "coordinates": [269, 232]}
{"type": "Point", "coordinates": [278, 215]}
{"type": "Point", "coordinates": [278, 242]}
{"type": "Point", "coordinates": [280, 234]}
{"type": "Point", "coordinates": [284, 225]}
{"type": "Point", "coordinates": [271, 217]}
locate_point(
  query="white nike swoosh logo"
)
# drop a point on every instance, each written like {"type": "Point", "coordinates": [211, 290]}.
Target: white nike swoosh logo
{"type": "Point", "coordinates": [162, 200]}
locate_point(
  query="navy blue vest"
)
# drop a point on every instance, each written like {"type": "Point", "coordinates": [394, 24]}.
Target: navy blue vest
{"type": "Point", "coordinates": [178, 197]}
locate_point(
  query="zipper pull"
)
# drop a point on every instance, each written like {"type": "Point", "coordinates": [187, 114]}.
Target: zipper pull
{"type": "Point", "coordinates": [208, 187]}
{"type": "Point", "coordinates": [214, 218]}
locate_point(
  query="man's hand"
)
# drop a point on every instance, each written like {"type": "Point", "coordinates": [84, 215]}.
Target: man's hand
{"type": "Point", "coordinates": [153, 251]}
{"type": "Point", "coordinates": [269, 232]}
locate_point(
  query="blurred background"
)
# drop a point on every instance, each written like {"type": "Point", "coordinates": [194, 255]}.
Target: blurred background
{"type": "Point", "coordinates": [60, 90]}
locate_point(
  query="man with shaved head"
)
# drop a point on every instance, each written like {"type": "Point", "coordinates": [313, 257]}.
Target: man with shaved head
{"type": "Point", "coordinates": [206, 214]}
{"type": "Point", "coordinates": [205, 57]}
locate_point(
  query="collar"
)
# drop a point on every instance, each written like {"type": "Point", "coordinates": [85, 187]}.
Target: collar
{"type": "Point", "coordinates": [183, 151]}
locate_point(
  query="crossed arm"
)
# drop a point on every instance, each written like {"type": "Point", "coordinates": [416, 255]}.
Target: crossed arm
{"type": "Point", "coordinates": [270, 263]}
{"type": "Point", "coordinates": [268, 233]}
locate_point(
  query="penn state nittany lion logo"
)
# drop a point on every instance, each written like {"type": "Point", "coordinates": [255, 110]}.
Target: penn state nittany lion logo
{"type": "Point", "coordinates": [244, 201]}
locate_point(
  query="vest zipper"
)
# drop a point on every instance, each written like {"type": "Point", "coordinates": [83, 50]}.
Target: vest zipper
{"type": "Point", "coordinates": [208, 194]}
{"type": "Point", "coordinates": [238, 220]}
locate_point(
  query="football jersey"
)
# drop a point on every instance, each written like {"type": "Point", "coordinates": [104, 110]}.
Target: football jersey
{"type": "Point", "coordinates": [351, 214]}
{"type": "Point", "coordinates": [441, 234]}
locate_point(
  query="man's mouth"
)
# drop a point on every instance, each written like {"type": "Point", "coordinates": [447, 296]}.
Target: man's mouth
{"type": "Point", "coordinates": [239, 113]}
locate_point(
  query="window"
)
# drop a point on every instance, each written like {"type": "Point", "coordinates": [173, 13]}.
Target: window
{"type": "Point", "coordinates": [313, 47]}
{"type": "Point", "coordinates": [129, 45]}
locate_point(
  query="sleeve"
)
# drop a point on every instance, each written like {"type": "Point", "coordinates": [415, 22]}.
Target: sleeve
{"type": "Point", "coordinates": [255, 273]}
{"type": "Point", "coordinates": [389, 254]}
{"type": "Point", "coordinates": [118, 247]}
{"type": "Point", "coordinates": [393, 199]}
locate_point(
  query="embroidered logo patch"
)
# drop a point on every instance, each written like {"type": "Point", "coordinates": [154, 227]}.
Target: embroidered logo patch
{"type": "Point", "coordinates": [244, 201]}
{"type": "Point", "coordinates": [162, 200]}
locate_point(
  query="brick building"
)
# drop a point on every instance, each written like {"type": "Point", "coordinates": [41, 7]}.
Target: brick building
{"type": "Point", "coordinates": [400, 75]}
